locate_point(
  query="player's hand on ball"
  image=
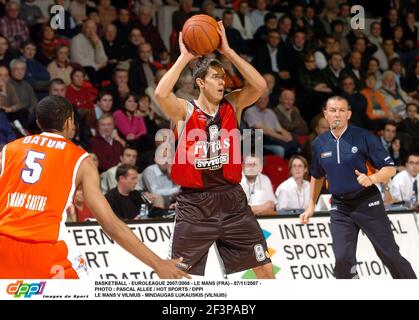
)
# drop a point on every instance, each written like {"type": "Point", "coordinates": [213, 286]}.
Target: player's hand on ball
{"type": "Point", "coordinates": [168, 270]}
{"type": "Point", "coordinates": [363, 179]}
{"type": "Point", "coordinates": [305, 216]}
{"type": "Point", "coordinates": [184, 51]}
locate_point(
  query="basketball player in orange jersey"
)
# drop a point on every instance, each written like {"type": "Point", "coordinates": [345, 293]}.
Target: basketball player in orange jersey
{"type": "Point", "coordinates": [212, 206]}
{"type": "Point", "coordinates": [38, 177]}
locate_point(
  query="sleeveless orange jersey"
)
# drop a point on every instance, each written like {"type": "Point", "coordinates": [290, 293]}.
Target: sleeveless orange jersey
{"type": "Point", "coordinates": [37, 180]}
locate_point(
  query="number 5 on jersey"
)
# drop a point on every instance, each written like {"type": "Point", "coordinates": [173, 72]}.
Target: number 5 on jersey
{"type": "Point", "coordinates": [33, 170]}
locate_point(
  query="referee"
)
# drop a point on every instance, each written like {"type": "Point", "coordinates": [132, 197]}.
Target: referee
{"type": "Point", "coordinates": [341, 155]}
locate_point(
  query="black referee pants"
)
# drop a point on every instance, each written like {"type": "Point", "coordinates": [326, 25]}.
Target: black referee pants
{"type": "Point", "coordinates": [365, 212]}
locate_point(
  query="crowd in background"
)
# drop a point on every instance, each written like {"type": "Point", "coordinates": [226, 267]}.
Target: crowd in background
{"type": "Point", "coordinates": [110, 55]}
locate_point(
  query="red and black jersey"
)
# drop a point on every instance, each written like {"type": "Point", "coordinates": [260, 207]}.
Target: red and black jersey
{"type": "Point", "coordinates": [208, 152]}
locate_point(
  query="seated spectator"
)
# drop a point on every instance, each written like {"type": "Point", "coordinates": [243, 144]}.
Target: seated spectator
{"type": "Point", "coordinates": [411, 83]}
{"type": "Point", "coordinates": [104, 145]}
{"type": "Point", "coordinates": [123, 24]}
{"type": "Point", "coordinates": [31, 14]}
{"type": "Point", "coordinates": [130, 51]}
{"type": "Point", "coordinates": [119, 88]}
{"type": "Point", "coordinates": [232, 77]}
{"type": "Point", "coordinates": [108, 179]}
{"type": "Point", "coordinates": [388, 134]}
{"type": "Point", "coordinates": [275, 138]}
{"type": "Point", "coordinates": [107, 12]}
{"type": "Point", "coordinates": [395, 98]}
{"type": "Point", "coordinates": [235, 40]}
{"type": "Point", "coordinates": [129, 123]}
{"type": "Point", "coordinates": [87, 50]}
{"type": "Point", "coordinates": [357, 102]}
{"type": "Point", "coordinates": [354, 69]}
{"type": "Point", "coordinates": [260, 37]}
{"type": "Point", "coordinates": [36, 74]}
{"type": "Point", "coordinates": [124, 199]}
{"type": "Point", "coordinates": [398, 153]}
{"type": "Point", "coordinates": [241, 21]}
{"type": "Point", "coordinates": [404, 186]}
{"type": "Point", "coordinates": [81, 210]}
{"type": "Point", "coordinates": [319, 125]}
{"type": "Point", "coordinates": [142, 72]}
{"type": "Point", "coordinates": [294, 193]}
{"type": "Point", "coordinates": [156, 180]}
{"type": "Point", "coordinates": [25, 94]}
{"type": "Point", "coordinates": [161, 119]}
{"type": "Point", "coordinates": [78, 9]}
{"type": "Point", "coordinates": [6, 131]}
{"type": "Point", "coordinates": [377, 110]}
{"type": "Point", "coordinates": [103, 105]}
{"type": "Point", "coordinates": [397, 67]}
{"type": "Point", "coordinates": [12, 27]}
{"type": "Point", "coordinates": [373, 66]}
{"type": "Point", "coordinates": [46, 50]}
{"type": "Point", "coordinates": [144, 111]}
{"type": "Point", "coordinates": [273, 89]}
{"type": "Point", "coordinates": [257, 187]}
{"type": "Point", "coordinates": [333, 72]}
{"type": "Point", "coordinates": [410, 125]}
{"type": "Point", "coordinates": [113, 50]}
{"type": "Point", "coordinates": [186, 89]}
{"type": "Point", "coordinates": [6, 54]}
{"type": "Point", "coordinates": [9, 101]}
{"type": "Point", "coordinates": [288, 115]}
{"type": "Point", "coordinates": [60, 67]}
{"type": "Point", "coordinates": [386, 54]}
{"type": "Point", "coordinates": [78, 94]}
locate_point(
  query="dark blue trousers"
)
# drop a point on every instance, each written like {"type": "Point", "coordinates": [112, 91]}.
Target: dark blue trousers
{"type": "Point", "coordinates": [364, 212]}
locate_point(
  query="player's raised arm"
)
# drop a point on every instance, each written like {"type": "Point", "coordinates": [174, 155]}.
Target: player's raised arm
{"type": "Point", "coordinates": [255, 83]}
{"type": "Point", "coordinates": [172, 106]}
{"type": "Point", "coordinates": [116, 229]}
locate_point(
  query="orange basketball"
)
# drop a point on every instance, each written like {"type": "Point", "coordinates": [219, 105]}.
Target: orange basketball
{"type": "Point", "coordinates": [200, 34]}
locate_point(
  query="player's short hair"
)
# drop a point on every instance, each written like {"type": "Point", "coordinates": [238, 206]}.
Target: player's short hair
{"type": "Point", "coordinates": [52, 112]}
{"type": "Point", "coordinates": [122, 170]}
{"type": "Point", "coordinates": [202, 67]}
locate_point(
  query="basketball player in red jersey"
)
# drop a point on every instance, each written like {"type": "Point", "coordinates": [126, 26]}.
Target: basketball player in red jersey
{"type": "Point", "coordinates": [38, 177]}
{"type": "Point", "coordinates": [212, 206]}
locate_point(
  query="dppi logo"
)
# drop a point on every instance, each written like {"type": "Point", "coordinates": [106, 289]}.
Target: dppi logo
{"type": "Point", "coordinates": [27, 290]}
{"type": "Point", "coordinates": [58, 18]}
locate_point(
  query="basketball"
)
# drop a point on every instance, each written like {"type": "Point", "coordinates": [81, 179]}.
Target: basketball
{"type": "Point", "coordinates": [200, 34]}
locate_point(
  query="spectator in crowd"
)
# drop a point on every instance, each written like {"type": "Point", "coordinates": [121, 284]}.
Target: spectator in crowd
{"type": "Point", "coordinates": [12, 27]}
{"type": "Point", "coordinates": [131, 49]}
{"type": "Point", "coordinates": [395, 98]}
{"type": "Point", "coordinates": [107, 12]}
{"type": "Point", "coordinates": [257, 16]}
{"type": "Point", "coordinates": [410, 125]}
{"type": "Point", "coordinates": [257, 187]}
{"type": "Point", "coordinates": [319, 126]}
{"type": "Point", "coordinates": [145, 111]}
{"type": "Point", "coordinates": [260, 37]}
{"type": "Point", "coordinates": [313, 25]}
{"type": "Point", "coordinates": [25, 94]}
{"type": "Point", "coordinates": [386, 54]}
{"type": "Point", "coordinates": [77, 93]}
{"type": "Point", "coordinates": [388, 134]}
{"type": "Point", "coordinates": [377, 110]}
{"type": "Point", "coordinates": [389, 22]}
{"type": "Point", "coordinates": [119, 87]}
{"type": "Point", "coordinates": [312, 90]}
{"type": "Point", "coordinates": [354, 69]}
{"type": "Point", "coordinates": [340, 37]}
{"type": "Point", "coordinates": [142, 72]}
{"type": "Point", "coordinates": [6, 54]}
{"type": "Point", "coordinates": [294, 52]}
{"type": "Point", "coordinates": [288, 114]}
{"type": "Point", "coordinates": [36, 74]}
{"type": "Point", "coordinates": [124, 25]}
{"type": "Point", "coordinates": [333, 72]}
{"type": "Point", "coordinates": [373, 66]}
{"type": "Point", "coordinates": [60, 68]}
{"type": "Point", "coordinates": [236, 41]}
{"type": "Point", "coordinates": [323, 53]}
{"type": "Point", "coordinates": [284, 28]}
{"type": "Point", "coordinates": [79, 211]}
{"type": "Point", "coordinates": [410, 30]}
{"type": "Point", "coordinates": [31, 13]}
{"type": "Point", "coordinates": [241, 21]}
{"type": "Point", "coordinates": [186, 89]}
{"type": "Point", "coordinates": [9, 101]}
{"type": "Point", "coordinates": [375, 34]}
{"type": "Point", "coordinates": [6, 131]}
{"type": "Point", "coordinates": [149, 31]}
{"type": "Point", "coordinates": [357, 102]}
{"type": "Point", "coordinates": [103, 105]}
{"type": "Point", "coordinates": [46, 50]}
{"type": "Point", "coordinates": [124, 199]}
{"type": "Point", "coordinates": [104, 145]}
{"type": "Point", "coordinates": [294, 193]}
{"type": "Point", "coordinates": [78, 9]}
{"type": "Point", "coordinates": [275, 138]}
{"type": "Point", "coordinates": [208, 8]}
{"type": "Point", "coordinates": [87, 50]}
{"type": "Point", "coordinates": [397, 67]}
{"type": "Point", "coordinates": [130, 123]}
{"type": "Point", "coordinates": [404, 186]}
{"type": "Point", "coordinates": [156, 179]}
{"type": "Point", "coordinates": [272, 88]}
{"type": "Point", "coordinates": [161, 119]}
{"type": "Point", "coordinates": [398, 153]}
{"type": "Point", "coordinates": [232, 78]}
{"type": "Point", "coordinates": [411, 83]}
{"type": "Point", "coordinates": [179, 17]}
{"type": "Point", "coordinates": [108, 179]}
{"type": "Point", "coordinates": [297, 16]}
{"type": "Point", "coordinates": [57, 87]}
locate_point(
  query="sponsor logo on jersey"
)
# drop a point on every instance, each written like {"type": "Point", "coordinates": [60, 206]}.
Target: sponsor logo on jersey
{"type": "Point", "coordinates": [354, 149]}
{"type": "Point", "coordinates": [212, 163]}
{"type": "Point", "coordinates": [260, 253]}
{"type": "Point", "coordinates": [327, 154]}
